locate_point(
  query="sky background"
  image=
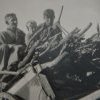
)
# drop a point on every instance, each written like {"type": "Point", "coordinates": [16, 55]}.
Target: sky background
{"type": "Point", "coordinates": [76, 13]}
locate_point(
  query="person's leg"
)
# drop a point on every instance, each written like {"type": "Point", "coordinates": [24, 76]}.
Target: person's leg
{"type": "Point", "coordinates": [4, 56]}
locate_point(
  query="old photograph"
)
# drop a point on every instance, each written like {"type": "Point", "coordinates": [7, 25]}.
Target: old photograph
{"type": "Point", "coordinates": [49, 49]}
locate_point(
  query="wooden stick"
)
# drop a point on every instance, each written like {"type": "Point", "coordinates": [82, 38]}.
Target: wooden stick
{"type": "Point", "coordinates": [62, 29]}
{"type": "Point", "coordinates": [98, 30]}
{"type": "Point", "coordinates": [9, 72]}
{"type": "Point", "coordinates": [85, 29]}
{"type": "Point", "coordinates": [60, 13]}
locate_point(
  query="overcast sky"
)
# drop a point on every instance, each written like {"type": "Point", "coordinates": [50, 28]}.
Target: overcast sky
{"type": "Point", "coordinates": [76, 13]}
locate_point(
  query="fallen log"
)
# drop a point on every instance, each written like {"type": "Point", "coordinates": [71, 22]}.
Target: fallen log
{"type": "Point", "coordinates": [55, 61]}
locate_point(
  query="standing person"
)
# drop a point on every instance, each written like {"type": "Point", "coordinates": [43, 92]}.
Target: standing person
{"type": "Point", "coordinates": [10, 40]}
{"type": "Point", "coordinates": [49, 27]}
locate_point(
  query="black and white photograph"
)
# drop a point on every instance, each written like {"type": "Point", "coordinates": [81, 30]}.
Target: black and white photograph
{"type": "Point", "coordinates": [49, 49]}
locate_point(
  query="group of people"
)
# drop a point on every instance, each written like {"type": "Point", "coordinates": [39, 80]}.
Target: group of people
{"type": "Point", "coordinates": [17, 48]}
